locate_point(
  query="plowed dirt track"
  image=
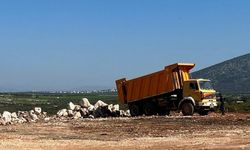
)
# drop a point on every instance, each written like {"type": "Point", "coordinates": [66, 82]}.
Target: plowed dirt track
{"type": "Point", "coordinates": [168, 132]}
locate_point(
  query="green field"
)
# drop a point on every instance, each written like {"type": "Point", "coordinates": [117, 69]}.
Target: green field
{"type": "Point", "coordinates": [51, 103]}
{"type": "Point", "coordinates": [238, 102]}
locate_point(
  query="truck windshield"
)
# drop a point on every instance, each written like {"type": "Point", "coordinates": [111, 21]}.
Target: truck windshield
{"type": "Point", "coordinates": [206, 85]}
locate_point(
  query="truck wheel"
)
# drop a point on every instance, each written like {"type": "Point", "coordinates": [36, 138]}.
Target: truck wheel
{"type": "Point", "coordinates": [203, 112]}
{"type": "Point", "coordinates": [149, 109]}
{"type": "Point", "coordinates": [134, 110]}
{"type": "Point", "coordinates": [187, 109]}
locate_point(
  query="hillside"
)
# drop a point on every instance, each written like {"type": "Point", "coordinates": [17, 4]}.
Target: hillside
{"type": "Point", "coordinates": [231, 76]}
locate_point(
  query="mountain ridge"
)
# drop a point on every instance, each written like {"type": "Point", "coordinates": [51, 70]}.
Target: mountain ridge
{"type": "Point", "coordinates": [229, 76]}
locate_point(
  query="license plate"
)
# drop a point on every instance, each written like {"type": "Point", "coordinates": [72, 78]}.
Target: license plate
{"type": "Point", "coordinates": [212, 105]}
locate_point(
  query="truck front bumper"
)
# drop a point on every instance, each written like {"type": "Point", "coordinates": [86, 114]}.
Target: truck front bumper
{"type": "Point", "coordinates": [208, 103]}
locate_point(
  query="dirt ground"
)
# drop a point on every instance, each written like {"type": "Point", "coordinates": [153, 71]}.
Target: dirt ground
{"type": "Point", "coordinates": [167, 132]}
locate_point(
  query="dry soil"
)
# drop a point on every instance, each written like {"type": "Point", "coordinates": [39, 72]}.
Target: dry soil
{"type": "Point", "coordinates": [214, 131]}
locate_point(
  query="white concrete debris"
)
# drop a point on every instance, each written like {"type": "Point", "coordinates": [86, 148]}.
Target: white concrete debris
{"type": "Point", "coordinates": [98, 113]}
{"type": "Point", "coordinates": [127, 113]}
{"type": "Point", "coordinates": [6, 117]}
{"type": "Point", "coordinates": [77, 107]}
{"type": "Point", "coordinates": [47, 119]}
{"type": "Point", "coordinates": [113, 108]}
{"type": "Point", "coordinates": [77, 115]}
{"type": "Point", "coordinates": [71, 106]}
{"type": "Point", "coordinates": [33, 115]}
{"type": "Point", "coordinates": [100, 103]}
{"type": "Point", "coordinates": [91, 116]}
{"type": "Point", "coordinates": [70, 113]}
{"type": "Point", "coordinates": [14, 115]}
{"type": "Point", "coordinates": [85, 103]}
{"type": "Point", "coordinates": [116, 107]}
{"type": "Point", "coordinates": [91, 108]}
{"type": "Point", "coordinates": [124, 113]}
{"type": "Point", "coordinates": [62, 113]}
{"type": "Point", "coordinates": [22, 116]}
{"type": "Point", "coordinates": [21, 120]}
{"type": "Point", "coordinates": [110, 107]}
{"type": "Point", "coordinates": [38, 110]}
{"type": "Point", "coordinates": [84, 110]}
{"type": "Point", "coordinates": [44, 114]}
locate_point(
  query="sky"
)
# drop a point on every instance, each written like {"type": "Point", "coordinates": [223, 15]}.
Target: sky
{"type": "Point", "coordinates": [83, 44]}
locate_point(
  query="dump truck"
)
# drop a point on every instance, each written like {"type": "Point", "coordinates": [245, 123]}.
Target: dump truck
{"type": "Point", "coordinates": [170, 89]}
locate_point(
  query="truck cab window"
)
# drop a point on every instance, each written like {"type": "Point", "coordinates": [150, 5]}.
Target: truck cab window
{"type": "Point", "coordinates": [193, 86]}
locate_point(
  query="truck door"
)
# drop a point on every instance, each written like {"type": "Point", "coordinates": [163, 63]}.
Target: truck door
{"type": "Point", "coordinates": [192, 90]}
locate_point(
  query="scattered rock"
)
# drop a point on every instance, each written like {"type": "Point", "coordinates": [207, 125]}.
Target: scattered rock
{"type": "Point", "coordinates": [44, 114]}
{"type": "Point", "coordinates": [33, 116]}
{"type": "Point", "coordinates": [124, 113]}
{"type": "Point", "coordinates": [38, 110]}
{"type": "Point", "coordinates": [22, 120]}
{"type": "Point", "coordinates": [113, 108]}
{"type": "Point", "coordinates": [71, 106]}
{"type": "Point", "coordinates": [77, 115]}
{"type": "Point", "coordinates": [102, 112]}
{"type": "Point", "coordinates": [23, 116]}
{"type": "Point", "coordinates": [100, 103]}
{"type": "Point", "coordinates": [127, 113]}
{"type": "Point", "coordinates": [116, 107]}
{"type": "Point", "coordinates": [77, 107]}
{"type": "Point", "coordinates": [6, 117]}
{"type": "Point", "coordinates": [47, 119]}
{"type": "Point", "coordinates": [70, 113]}
{"type": "Point", "coordinates": [14, 115]}
{"type": "Point", "coordinates": [91, 116]}
{"type": "Point", "coordinates": [110, 107]}
{"type": "Point", "coordinates": [85, 103]}
{"type": "Point", "coordinates": [91, 108]}
{"type": "Point", "coordinates": [62, 113]}
{"type": "Point", "coordinates": [2, 122]}
{"type": "Point", "coordinates": [83, 110]}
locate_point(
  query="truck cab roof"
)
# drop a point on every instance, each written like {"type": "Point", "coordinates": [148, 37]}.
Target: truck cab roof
{"type": "Point", "coordinates": [198, 80]}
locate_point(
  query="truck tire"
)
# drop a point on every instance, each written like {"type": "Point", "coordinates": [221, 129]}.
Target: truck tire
{"type": "Point", "coordinates": [187, 109]}
{"type": "Point", "coordinates": [149, 109]}
{"type": "Point", "coordinates": [134, 110]}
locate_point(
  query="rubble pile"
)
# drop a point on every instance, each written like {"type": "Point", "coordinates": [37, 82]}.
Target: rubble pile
{"type": "Point", "coordinates": [73, 111]}
{"type": "Point", "coordinates": [33, 115]}
{"type": "Point", "coordinates": [87, 110]}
